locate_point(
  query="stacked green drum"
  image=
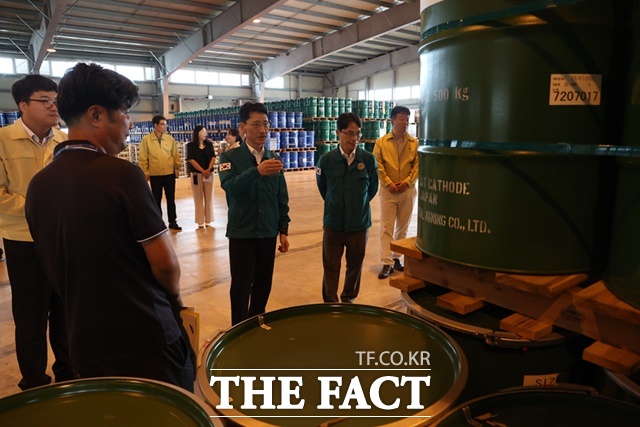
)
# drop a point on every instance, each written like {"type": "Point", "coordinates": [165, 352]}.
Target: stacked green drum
{"type": "Point", "coordinates": [323, 129]}
{"type": "Point", "coordinates": [515, 100]}
{"type": "Point", "coordinates": [320, 110]}
{"type": "Point", "coordinates": [328, 106]}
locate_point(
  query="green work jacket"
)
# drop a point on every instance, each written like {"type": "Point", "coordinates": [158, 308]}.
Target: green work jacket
{"type": "Point", "coordinates": [347, 191]}
{"type": "Point", "coordinates": [258, 206]}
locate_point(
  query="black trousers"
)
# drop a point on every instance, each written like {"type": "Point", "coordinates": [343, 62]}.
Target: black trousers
{"type": "Point", "coordinates": [251, 263]}
{"type": "Point", "coordinates": [168, 183]}
{"type": "Point", "coordinates": [172, 365]}
{"type": "Point", "coordinates": [334, 243]}
{"type": "Point", "coordinates": [35, 303]}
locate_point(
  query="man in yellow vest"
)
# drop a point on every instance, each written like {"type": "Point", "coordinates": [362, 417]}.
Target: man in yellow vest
{"type": "Point", "coordinates": [160, 162]}
{"type": "Point", "coordinates": [26, 147]}
{"type": "Point", "coordinates": [397, 156]}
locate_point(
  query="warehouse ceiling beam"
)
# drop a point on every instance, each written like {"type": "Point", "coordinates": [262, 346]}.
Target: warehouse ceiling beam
{"type": "Point", "coordinates": [176, 8]}
{"type": "Point", "coordinates": [378, 25]}
{"type": "Point", "coordinates": [124, 19]}
{"type": "Point", "coordinates": [357, 72]}
{"type": "Point", "coordinates": [339, 6]}
{"type": "Point", "coordinates": [316, 14]}
{"type": "Point", "coordinates": [42, 38]}
{"type": "Point", "coordinates": [235, 18]}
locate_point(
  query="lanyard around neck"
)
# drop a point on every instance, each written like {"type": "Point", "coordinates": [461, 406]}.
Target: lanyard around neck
{"type": "Point", "coordinates": [70, 147]}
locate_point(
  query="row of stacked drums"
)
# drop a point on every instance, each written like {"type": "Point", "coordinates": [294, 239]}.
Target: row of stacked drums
{"type": "Point", "coordinates": [8, 117]}
{"type": "Point", "coordinates": [297, 159]}
{"type": "Point", "coordinates": [325, 129]}
{"type": "Point", "coordinates": [277, 120]}
{"type": "Point", "coordinates": [333, 107]}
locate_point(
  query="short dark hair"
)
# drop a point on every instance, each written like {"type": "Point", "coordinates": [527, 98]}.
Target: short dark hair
{"type": "Point", "coordinates": [251, 107]}
{"type": "Point", "coordinates": [157, 119]}
{"type": "Point", "coordinates": [22, 89]}
{"type": "Point", "coordinates": [90, 84]}
{"type": "Point", "coordinates": [399, 109]}
{"type": "Point", "coordinates": [345, 118]}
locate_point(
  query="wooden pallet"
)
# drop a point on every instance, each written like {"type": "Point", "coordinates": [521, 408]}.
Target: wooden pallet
{"type": "Point", "coordinates": [564, 301]}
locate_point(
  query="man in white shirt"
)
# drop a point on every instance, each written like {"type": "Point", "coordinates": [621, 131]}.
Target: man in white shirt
{"type": "Point", "coordinates": [26, 147]}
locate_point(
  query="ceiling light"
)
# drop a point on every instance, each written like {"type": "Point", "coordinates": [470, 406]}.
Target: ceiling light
{"type": "Point", "coordinates": [51, 49]}
{"type": "Point", "coordinates": [256, 21]}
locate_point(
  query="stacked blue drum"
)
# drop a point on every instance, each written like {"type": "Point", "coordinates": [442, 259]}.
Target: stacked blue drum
{"type": "Point", "coordinates": [8, 117]}
{"type": "Point", "coordinates": [294, 144]}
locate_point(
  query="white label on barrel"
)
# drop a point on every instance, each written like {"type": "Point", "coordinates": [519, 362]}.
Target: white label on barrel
{"type": "Point", "coordinates": [540, 380]}
{"type": "Point", "coordinates": [575, 89]}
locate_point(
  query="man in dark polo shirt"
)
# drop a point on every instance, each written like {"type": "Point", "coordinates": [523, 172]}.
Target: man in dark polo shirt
{"type": "Point", "coordinates": [102, 241]}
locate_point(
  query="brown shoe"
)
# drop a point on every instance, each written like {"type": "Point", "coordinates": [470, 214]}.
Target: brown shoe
{"type": "Point", "coordinates": [385, 272]}
{"type": "Point", "coordinates": [397, 265]}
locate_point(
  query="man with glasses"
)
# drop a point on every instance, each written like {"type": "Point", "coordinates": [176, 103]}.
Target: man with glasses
{"type": "Point", "coordinates": [160, 162]}
{"type": "Point", "coordinates": [26, 147]}
{"type": "Point", "coordinates": [397, 156]}
{"type": "Point", "coordinates": [347, 178]}
{"type": "Point", "coordinates": [253, 180]}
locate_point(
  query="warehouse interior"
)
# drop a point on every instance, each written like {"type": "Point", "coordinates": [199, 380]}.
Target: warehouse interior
{"type": "Point", "coordinates": [540, 307]}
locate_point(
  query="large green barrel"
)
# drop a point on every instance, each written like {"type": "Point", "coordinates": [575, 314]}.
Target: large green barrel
{"type": "Point", "coordinates": [533, 407]}
{"type": "Point", "coordinates": [517, 211]}
{"type": "Point", "coordinates": [531, 86]}
{"type": "Point", "coordinates": [524, 71]}
{"type": "Point", "coordinates": [107, 402]}
{"type": "Point", "coordinates": [623, 271]}
{"type": "Point", "coordinates": [553, 359]}
{"type": "Point", "coordinates": [363, 351]}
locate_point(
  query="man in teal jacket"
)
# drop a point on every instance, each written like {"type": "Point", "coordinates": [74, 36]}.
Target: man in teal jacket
{"type": "Point", "coordinates": [347, 178]}
{"type": "Point", "coordinates": [258, 201]}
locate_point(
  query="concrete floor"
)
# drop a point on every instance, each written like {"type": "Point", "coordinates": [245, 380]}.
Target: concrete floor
{"type": "Point", "coordinates": [203, 255]}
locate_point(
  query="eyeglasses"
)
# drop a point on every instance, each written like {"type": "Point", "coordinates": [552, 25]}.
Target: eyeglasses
{"type": "Point", "coordinates": [258, 125]}
{"type": "Point", "coordinates": [352, 134]}
{"type": "Point", "coordinates": [46, 102]}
